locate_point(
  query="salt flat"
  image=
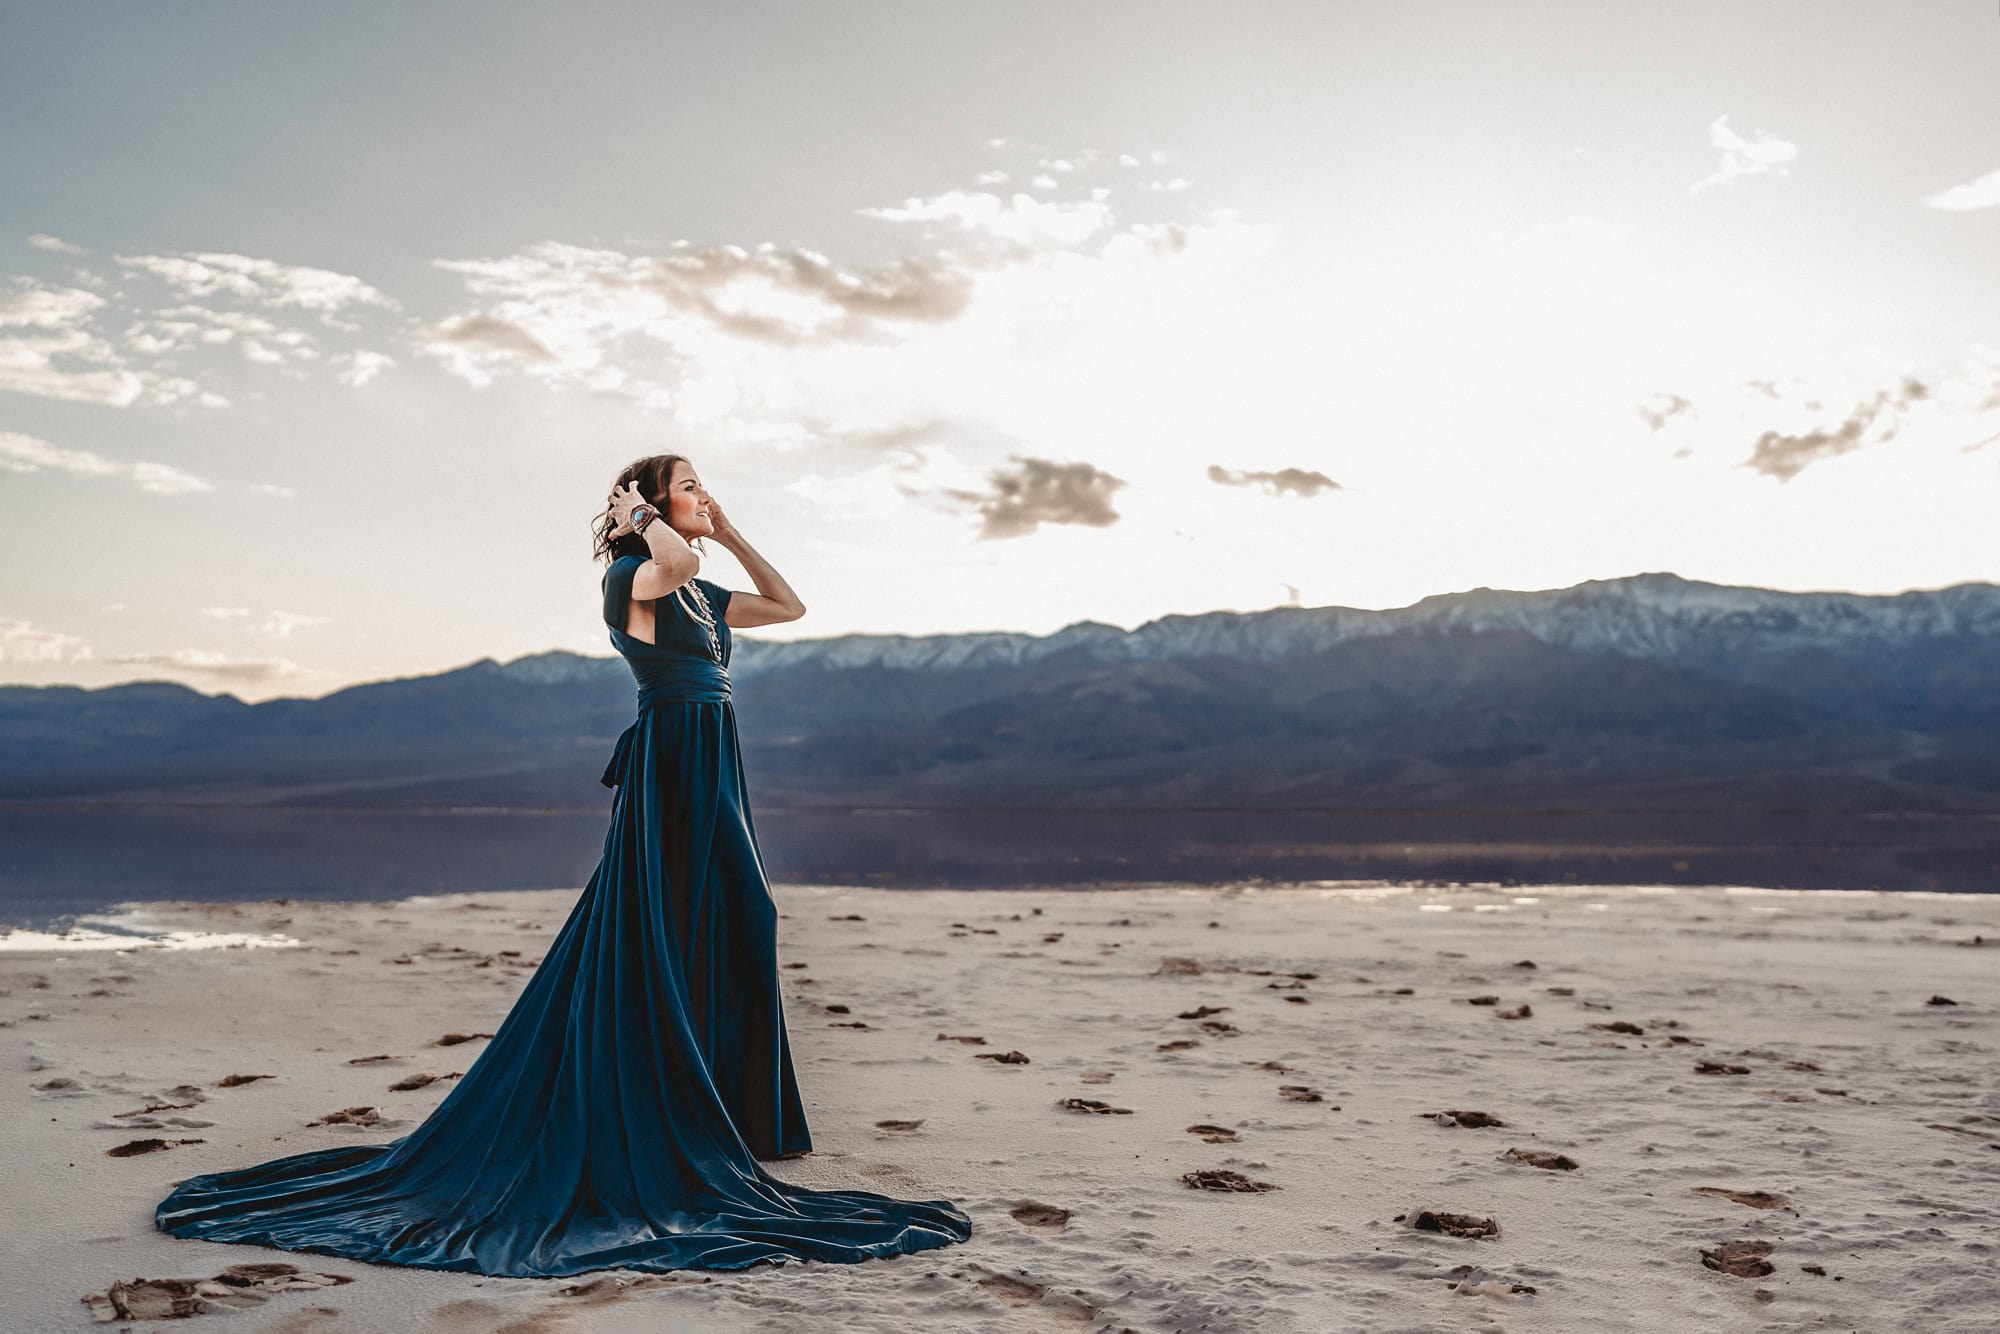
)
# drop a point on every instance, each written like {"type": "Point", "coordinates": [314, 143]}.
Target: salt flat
{"type": "Point", "coordinates": [1719, 1065]}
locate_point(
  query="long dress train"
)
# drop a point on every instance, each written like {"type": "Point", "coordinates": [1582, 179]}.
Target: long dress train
{"type": "Point", "coordinates": [616, 1116]}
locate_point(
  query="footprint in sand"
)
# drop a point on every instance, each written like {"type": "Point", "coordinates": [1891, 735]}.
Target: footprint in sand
{"type": "Point", "coordinates": [237, 1081]}
{"type": "Point", "coordinates": [350, 1116]}
{"type": "Point", "coordinates": [1095, 1077]}
{"type": "Point", "coordinates": [899, 1127]}
{"type": "Point", "coordinates": [1178, 1044]}
{"type": "Point", "coordinates": [133, 1148]}
{"type": "Point", "coordinates": [1221, 1178]}
{"type": "Point", "coordinates": [1453, 1225]}
{"type": "Point", "coordinates": [1459, 1117]}
{"type": "Point", "coordinates": [420, 1079]}
{"type": "Point", "coordinates": [454, 1039]}
{"type": "Point", "coordinates": [1201, 1012]}
{"type": "Point", "coordinates": [234, 1289]}
{"type": "Point", "coordinates": [1093, 1106]}
{"type": "Point", "coordinates": [966, 1038]}
{"type": "Point", "coordinates": [1051, 1310]}
{"type": "Point", "coordinates": [1719, 1068]}
{"type": "Point", "coordinates": [603, 1289]}
{"type": "Point", "coordinates": [1299, 1093]}
{"type": "Point", "coordinates": [1739, 1259]}
{"type": "Point", "coordinates": [1221, 1028]}
{"type": "Point", "coordinates": [1554, 1162]}
{"type": "Point", "coordinates": [1038, 1217]}
{"type": "Point", "coordinates": [1754, 1199]}
{"type": "Point", "coordinates": [1214, 1134]}
{"type": "Point", "coordinates": [62, 1087]}
{"type": "Point", "coordinates": [1004, 1057]}
{"type": "Point", "coordinates": [1274, 1067]}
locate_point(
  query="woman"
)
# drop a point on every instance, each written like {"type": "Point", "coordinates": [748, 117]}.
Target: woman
{"type": "Point", "coordinates": [616, 1117]}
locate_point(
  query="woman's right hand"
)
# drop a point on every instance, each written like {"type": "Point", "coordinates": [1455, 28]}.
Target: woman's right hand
{"type": "Point", "coordinates": [623, 502]}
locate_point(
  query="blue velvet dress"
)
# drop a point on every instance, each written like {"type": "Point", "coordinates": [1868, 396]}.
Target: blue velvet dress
{"type": "Point", "coordinates": [616, 1116]}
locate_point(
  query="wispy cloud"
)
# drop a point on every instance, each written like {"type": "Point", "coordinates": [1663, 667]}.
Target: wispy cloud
{"type": "Point", "coordinates": [1740, 157]}
{"type": "Point", "coordinates": [564, 312]}
{"type": "Point", "coordinates": [1281, 482]}
{"type": "Point", "coordinates": [1981, 193]}
{"type": "Point", "coordinates": [358, 368]}
{"type": "Point", "coordinates": [61, 356]}
{"type": "Point", "coordinates": [1018, 218]}
{"type": "Point", "coordinates": [1785, 455]}
{"type": "Point", "coordinates": [218, 666]}
{"type": "Point", "coordinates": [25, 454]}
{"type": "Point", "coordinates": [43, 241]}
{"type": "Point", "coordinates": [264, 282]}
{"type": "Point", "coordinates": [1660, 409]}
{"type": "Point", "coordinates": [279, 624]}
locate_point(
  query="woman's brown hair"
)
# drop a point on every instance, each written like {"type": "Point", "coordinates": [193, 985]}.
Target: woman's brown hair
{"type": "Point", "coordinates": [653, 474]}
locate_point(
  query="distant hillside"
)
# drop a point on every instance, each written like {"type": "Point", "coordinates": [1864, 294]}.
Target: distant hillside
{"type": "Point", "coordinates": [1647, 692]}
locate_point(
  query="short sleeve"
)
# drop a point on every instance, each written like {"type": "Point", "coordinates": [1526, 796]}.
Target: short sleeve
{"type": "Point", "coordinates": [718, 596]}
{"type": "Point", "coordinates": [618, 589]}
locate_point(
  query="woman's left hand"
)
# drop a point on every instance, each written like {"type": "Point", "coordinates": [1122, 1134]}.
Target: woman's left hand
{"type": "Point", "coordinates": [724, 529]}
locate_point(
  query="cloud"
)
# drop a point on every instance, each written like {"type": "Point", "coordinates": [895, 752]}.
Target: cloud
{"type": "Point", "coordinates": [43, 241]}
{"type": "Point", "coordinates": [202, 662]}
{"type": "Point", "coordinates": [264, 282]}
{"type": "Point", "coordinates": [357, 368]}
{"type": "Point", "coordinates": [1981, 193]}
{"type": "Point", "coordinates": [25, 454]}
{"type": "Point", "coordinates": [1284, 481]}
{"type": "Point", "coordinates": [63, 358]}
{"type": "Point", "coordinates": [282, 623]}
{"type": "Point", "coordinates": [1785, 456]}
{"type": "Point", "coordinates": [20, 641]}
{"type": "Point", "coordinates": [1019, 347]}
{"type": "Point", "coordinates": [1021, 218]}
{"type": "Point", "coordinates": [47, 308]}
{"type": "Point", "coordinates": [1040, 491]}
{"type": "Point", "coordinates": [1740, 157]}
{"type": "Point", "coordinates": [30, 366]}
{"type": "Point", "coordinates": [258, 339]}
{"type": "Point", "coordinates": [1660, 409]}
{"type": "Point", "coordinates": [564, 312]}
{"type": "Point", "coordinates": [277, 623]}
{"type": "Point", "coordinates": [273, 489]}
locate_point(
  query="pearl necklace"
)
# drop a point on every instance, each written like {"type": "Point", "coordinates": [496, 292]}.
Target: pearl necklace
{"type": "Point", "coordinates": [703, 614]}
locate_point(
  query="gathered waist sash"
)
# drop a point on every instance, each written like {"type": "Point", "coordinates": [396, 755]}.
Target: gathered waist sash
{"type": "Point", "coordinates": [664, 680]}
{"type": "Point", "coordinates": [680, 676]}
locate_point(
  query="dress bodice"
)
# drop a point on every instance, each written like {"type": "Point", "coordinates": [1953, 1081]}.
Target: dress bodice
{"type": "Point", "coordinates": [678, 664]}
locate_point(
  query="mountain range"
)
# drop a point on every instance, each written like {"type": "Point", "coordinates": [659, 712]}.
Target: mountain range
{"type": "Point", "coordinates": [1647, 692]}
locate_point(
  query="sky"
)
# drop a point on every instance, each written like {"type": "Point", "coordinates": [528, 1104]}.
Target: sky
{"type": "Point", "coordinates": [324, 330]}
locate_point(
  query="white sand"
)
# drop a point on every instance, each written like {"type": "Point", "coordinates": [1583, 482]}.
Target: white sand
{"type": "Point", "coordinates": [1887, 1155]}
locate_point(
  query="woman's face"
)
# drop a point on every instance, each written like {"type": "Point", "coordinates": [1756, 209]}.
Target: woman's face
{"type": "Point", "coordinates": [687, 503]}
